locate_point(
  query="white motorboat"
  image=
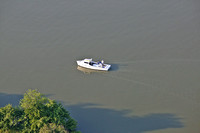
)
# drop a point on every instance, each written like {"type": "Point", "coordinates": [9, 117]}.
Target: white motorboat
{"type": "Point", "coordinates": [90, 64]}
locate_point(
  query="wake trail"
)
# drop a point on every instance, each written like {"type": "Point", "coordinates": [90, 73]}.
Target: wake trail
{"type": "Point", "coordinates": [130, 80]}
{"type": "Point", "coordinates": [176, 94]}
{"type": "Point", "coordinates": [158, 60]}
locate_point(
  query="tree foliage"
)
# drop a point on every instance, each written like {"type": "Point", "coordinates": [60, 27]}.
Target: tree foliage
{"type": "Point", "coordinates": [36, 113]}
{"type": "Point", "coordinates": [10, 118]}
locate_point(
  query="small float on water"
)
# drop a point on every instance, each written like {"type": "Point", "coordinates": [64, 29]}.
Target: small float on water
{"type": "Point", "coordinates": [90, 64]}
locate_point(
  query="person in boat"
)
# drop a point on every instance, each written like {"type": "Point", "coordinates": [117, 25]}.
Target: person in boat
{"type": "Point", "coordinates": [102, 62]}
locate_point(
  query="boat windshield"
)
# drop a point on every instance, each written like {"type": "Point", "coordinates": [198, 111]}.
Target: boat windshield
{"type": "Point", "coordinates": [87, 60]}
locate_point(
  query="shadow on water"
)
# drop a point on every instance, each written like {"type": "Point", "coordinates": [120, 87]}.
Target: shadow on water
{"type": "Point", "coordinates": [114, 67]}
{"type": "Point", "coordinates": [13, 99]}
{"type": "Point", "coordinates": [9, 99]}
{"type": "Point", "coordinates": [99, 120]}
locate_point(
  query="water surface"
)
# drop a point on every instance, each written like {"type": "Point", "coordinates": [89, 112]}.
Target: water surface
{"type": "Point", "coordinates": [152, 45]}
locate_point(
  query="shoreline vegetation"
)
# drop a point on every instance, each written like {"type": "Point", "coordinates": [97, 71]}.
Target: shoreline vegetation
{"type": "Point", "coordinates": [36, 114]}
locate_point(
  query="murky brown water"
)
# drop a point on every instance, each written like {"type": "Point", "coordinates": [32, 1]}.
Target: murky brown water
{"type": "Point", "coordinates": [152, 45]}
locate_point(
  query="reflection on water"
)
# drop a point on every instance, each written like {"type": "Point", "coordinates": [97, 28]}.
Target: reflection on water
{"type": "Point", "coordinates": [89, 71]}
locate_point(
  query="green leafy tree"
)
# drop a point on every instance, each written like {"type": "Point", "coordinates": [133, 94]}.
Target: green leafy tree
{"type": "Point", "coordinates": [10, 118]}
{"type": "Point", "coordinates": [52, 127]}
{"type": "Point", "coordinates": [37, 113]}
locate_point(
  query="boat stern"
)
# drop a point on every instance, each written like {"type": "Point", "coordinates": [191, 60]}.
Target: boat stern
{"type": "Point", "coordinates": [107, 67]}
